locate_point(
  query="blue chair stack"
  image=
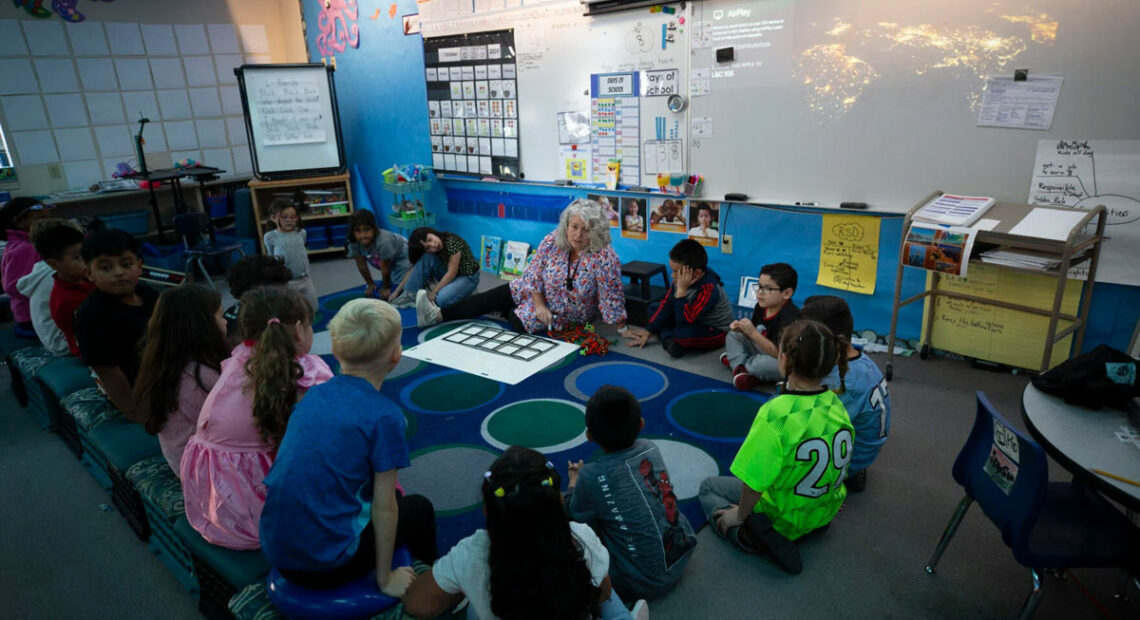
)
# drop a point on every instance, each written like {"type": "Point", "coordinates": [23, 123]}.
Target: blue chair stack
{"type": "Point", "coordinates": [1048, 525]}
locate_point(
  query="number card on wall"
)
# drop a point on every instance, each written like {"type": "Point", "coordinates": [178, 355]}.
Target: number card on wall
{"type": "Point", "coordinates": [473, 96]}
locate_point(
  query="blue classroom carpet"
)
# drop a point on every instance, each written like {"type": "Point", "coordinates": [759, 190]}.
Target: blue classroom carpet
{"type": "Point", "coordinates": [459, 423]}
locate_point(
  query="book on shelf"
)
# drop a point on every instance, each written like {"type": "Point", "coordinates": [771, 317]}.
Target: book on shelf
{"type": "Point", "coordinates": [954, 210]}
{"type": "Point", "coordinates": [491, 257]}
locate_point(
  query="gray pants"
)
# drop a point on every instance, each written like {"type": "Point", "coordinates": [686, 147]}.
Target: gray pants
{"type": "Point", "coordinates": [718, 493]}
{"type": "Point", "coordinates": [743, 352]}
{"type": "Point", "coordinates": [305, 286]}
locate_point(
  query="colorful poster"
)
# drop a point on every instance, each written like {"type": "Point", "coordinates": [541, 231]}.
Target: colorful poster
{"type": "Point", "coordinates": [849, 253]}
{"type": "Point", "coordinates": [938, 248]}
{"type": "Point", "coordinates": [615, 124]}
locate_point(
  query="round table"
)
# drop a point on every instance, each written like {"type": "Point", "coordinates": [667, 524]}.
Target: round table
{"type": "Point", "coordinates": [1083, 439]}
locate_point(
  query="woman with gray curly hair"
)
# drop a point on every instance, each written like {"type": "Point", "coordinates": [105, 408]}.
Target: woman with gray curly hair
{"type": "Point", "coordinates": [574, 276]}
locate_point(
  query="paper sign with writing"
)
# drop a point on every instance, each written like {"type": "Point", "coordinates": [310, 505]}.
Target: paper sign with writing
{"type": "Point", "coordinates": [1001, 469]}
{"type": "Point", "coordinates": [980, 330]}
{"type": "Point", "coordinates": [849, 253]}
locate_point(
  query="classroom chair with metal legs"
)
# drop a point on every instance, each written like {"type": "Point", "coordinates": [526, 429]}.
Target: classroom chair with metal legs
{"type": "Point", "coordinates": [194, 228]}
{"type": "Point", "coordinates": [1048, 525]}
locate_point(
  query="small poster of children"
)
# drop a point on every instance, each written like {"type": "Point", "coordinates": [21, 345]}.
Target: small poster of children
{"type": "Point", "coordinates": [667, 215]}
{"type": "Point", "coordinates": [938, 248]}
{"type": "Point", "coordinates": [633, 218]}
{"type": "Point", "coordinates": [704, 221]}
{"type": "Point", "coordinates": [607, 207]}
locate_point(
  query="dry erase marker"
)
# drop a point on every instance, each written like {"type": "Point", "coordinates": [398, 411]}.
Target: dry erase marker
{"type": "Point", "coordinates": [805, 204]}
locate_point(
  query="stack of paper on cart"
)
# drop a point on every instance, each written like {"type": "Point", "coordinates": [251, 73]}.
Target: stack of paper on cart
{"type": "Point", "coordinates": [1023, 259]}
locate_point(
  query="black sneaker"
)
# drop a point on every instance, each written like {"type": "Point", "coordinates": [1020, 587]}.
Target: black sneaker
{"type": "Point", "coordinates": [672, 348]}
{"type": "Point", "coordinates": [856, 482]}
{"type": "Point", "coordinates": [758, 531]}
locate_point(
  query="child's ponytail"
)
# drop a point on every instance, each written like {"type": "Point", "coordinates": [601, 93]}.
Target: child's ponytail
{"type": "Point", "coordinates": [810, 350]}
{"type": "Point", "coordinates": [269, 318]}
{"type": "Point", "coordinates": [841, 343]}
{"type": "Point", "coordinates": [537, 570]}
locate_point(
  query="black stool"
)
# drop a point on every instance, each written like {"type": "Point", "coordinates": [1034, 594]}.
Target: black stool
{"type": "Point", "coordinates": [640, 293]}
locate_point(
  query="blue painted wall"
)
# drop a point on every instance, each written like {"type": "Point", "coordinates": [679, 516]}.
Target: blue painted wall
{"type": "Point", "coordinates": [383, 107]}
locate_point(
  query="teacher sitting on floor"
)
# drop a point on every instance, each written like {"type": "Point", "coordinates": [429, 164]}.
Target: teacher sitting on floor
{"type": "Point", "coordinates": [574, 276]}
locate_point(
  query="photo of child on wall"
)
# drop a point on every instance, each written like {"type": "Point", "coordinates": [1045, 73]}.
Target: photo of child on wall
{"type": "Point", "coordinates": [633, 218]}
{"type": "Point", "coordinates": [607, 207]}
{"type": "Point", "coordinates": [704, 222]}
{"type": "Point", "coordinates": [667, 215]}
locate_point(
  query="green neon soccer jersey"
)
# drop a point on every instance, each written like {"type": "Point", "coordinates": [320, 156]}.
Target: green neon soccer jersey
{"type": "Point", "coordinates": [796, 455]}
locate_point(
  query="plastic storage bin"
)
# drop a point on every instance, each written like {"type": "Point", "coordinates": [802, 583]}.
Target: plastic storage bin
{"type": "Point", "coordinates": [338, 235]}
{"type": "Point", "coordinates": [134, 222]}
{"type": "Point", "coordinates": [317, 237]}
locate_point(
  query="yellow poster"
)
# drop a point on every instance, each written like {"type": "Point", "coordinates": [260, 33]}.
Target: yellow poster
{"type": "Point", "coordinates": [1002, 335]}
{"type": "Point", "coordinates": [849, 253]}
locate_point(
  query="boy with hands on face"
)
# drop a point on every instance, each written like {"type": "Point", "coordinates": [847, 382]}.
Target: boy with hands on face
{"type": "Point", "coordinates": [695, 313]}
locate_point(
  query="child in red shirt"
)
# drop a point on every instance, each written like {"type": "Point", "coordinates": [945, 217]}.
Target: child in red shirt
{"type": "Point", "coordinates": [61, 251]}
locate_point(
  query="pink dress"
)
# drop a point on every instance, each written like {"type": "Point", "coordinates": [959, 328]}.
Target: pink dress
{"type": "Point", "coordinates": [182, 422]}
{"type": "Point", "coordinates": [225, 462]}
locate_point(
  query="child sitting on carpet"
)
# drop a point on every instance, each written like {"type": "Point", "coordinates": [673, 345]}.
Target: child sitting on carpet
{"type": "Point", "coordinates": [185, 346]}
{"type": "Point", "coordinates": [384, 250]}
{"type": "Point", "coordinates": [789, 472]}
{"type": "Point", "coordinates": [338, 463]}
{"type": "Point", "coordinates": [244, 417]}
{"type": "Point", "coordinates": [863, 390]}
{"type": "Point", "coordinates": [626, 496]}
{"type": "Point", "coordinates": [695, 313]}
{"type": "Point", "coordinates": [530, 562]}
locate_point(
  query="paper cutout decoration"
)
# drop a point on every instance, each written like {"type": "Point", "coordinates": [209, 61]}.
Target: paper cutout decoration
{"type": "Point", "coordinates": [338, 29]}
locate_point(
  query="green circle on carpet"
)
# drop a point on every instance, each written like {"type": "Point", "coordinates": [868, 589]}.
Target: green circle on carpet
{"type": "Point", "coordinates": [453, 391]}
{"type": "Point", "coordinates": [331, 305]}
{"type": "Point", "coordinates": [543, 424]}
{"type": "Point", "coordinates": [717, 415]}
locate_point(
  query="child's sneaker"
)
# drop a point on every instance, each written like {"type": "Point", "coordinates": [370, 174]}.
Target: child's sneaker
{"type": "Point", "coordinates": [856, 482]}
{"type": "Point", "coordinates": [403, 300]}
{"type": "Point", "coordinates": [724, 360]}
{"type": "Point", "coordinates": [744, 382]}
{"type": "Point", "coordinates": [427, 313]}
{"type": "Point", "coordinates": [640, 610]}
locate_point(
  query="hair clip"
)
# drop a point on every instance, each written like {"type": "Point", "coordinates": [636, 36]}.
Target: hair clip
{"type": "Point", "coordinates": [499, 492]}
{"type": "Point", "coordinates": [487, 475]}
{"type": "Point", "coordinates": [549, 482]}
{"type": "Point", "coordinates": [550, 466]}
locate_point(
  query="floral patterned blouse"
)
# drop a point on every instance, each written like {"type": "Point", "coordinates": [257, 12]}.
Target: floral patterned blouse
{"type": "Point", "coordinates": [597, 287]}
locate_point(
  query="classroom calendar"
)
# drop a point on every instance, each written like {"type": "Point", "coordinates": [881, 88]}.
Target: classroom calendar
{"type": "Point", "coordinates": [472, 92]}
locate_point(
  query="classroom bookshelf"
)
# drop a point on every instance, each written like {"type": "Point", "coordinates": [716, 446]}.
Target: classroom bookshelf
{"type": "Point", "coordinates": [330, 205]}
{"type": "Point", "coordinates": [1065, 306]}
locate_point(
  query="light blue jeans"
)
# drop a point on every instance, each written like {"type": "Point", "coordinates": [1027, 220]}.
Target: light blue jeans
{"type": "Point", "coordinates": [430, 267]}
{"type": "Point", "coordinates": [612, 609]}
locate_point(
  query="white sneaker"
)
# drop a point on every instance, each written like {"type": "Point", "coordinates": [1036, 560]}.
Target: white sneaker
{"type": "Point", "coordinates": [427, 313]}
{"type": "Point", "coordinates": [640, 610]}
{"type": "Point", "coordinates": [404, 300]}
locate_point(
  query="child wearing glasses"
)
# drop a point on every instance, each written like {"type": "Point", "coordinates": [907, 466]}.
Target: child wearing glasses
{"type": "Point", "coordinates": [750, 346]}
{"type": "Point", "coordinates": [695, 313]}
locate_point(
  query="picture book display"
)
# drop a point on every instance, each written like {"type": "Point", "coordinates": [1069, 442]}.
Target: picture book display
{"type": "Point", "coordinates": [514, 259]}
{"type": "Point", "coordinates": [490, 257]}
{"type": "Point", "coordinates": [953, 210]}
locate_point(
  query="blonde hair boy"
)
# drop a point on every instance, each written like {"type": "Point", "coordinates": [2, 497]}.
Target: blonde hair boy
{"type": "Point", "coordinates": [366, 338]}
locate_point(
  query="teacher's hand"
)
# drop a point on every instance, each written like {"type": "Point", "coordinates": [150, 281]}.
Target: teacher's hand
{"type": "Point", "coordinates": [544, 315]}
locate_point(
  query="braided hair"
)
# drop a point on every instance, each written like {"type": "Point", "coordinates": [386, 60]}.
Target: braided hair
{"type": "Point", "coordinates": [537, 568]}
{"type": "Point", "coordinates": [811, 351]}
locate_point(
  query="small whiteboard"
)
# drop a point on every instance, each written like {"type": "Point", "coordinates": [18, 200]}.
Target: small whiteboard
{"type": "Point", "coordinates": [292, 121]}
{"type": "Point", "coordinates": [492, 352]}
